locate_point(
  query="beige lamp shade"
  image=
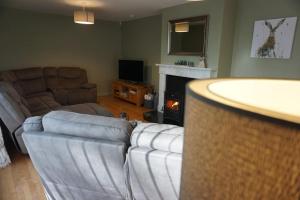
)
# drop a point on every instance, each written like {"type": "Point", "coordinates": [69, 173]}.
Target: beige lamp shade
{"type": "Point", "coordinates": [84, 17]}
{"type": "Point", "coordinates": [182, 27]}
{"type": "Point", "coordinates": [242, 140]}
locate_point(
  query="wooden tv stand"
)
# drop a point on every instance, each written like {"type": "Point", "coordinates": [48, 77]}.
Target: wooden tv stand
{"type": "Point", "coordinates": [131, 92]}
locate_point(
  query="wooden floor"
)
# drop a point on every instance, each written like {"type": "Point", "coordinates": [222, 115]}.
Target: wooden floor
{"type": "Point", "coordinates": [19, 181]}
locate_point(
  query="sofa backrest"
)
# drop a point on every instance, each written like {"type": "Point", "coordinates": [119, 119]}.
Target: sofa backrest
{"type": "Point", "coordinates": [79, 156]}
{"type": "Point", "coordinates": [35, 80]}
{"type": "Point", "coordinates": [30, 81]}
{"type": "Point", "coordinates": [50, 75]}
{"type": "Point", "coordinates": [154, 161]}
{"type": "Point", "coordinates": [71, 77]}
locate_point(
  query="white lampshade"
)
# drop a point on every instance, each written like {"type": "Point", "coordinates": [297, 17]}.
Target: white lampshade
{"type": "Point", "coordinates": [182, 27]}
{"type": "Point", "coordinates": [84, 17]}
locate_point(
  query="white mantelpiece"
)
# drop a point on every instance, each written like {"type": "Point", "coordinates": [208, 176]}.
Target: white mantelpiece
{"type": "Point", "coordinates": [183, 71]}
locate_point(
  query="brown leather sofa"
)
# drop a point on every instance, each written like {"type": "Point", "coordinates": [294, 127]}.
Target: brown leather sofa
{"type": "Point", "coordinates": [46, 89]}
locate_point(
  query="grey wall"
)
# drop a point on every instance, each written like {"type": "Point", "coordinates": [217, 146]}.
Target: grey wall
{"type": "Point", "coordinates": [248, 12]}
{"type": "Point", "coordinates": [141, 40]}
{"type": "Point", "coordinates": [32, 39]}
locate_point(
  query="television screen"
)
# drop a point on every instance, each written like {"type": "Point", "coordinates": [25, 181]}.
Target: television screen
{"type": "Point", "coordinates": [131, 70]}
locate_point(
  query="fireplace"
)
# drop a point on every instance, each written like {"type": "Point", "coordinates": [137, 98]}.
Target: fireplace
{"type": "Point", "coordinates": [170, 108]}
{"type": "Point", "coordinates": [175, 99]}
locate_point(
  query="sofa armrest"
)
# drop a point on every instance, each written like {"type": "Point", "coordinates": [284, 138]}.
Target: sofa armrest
{"type": "Point", "coordinates": [33, 124]}
{"type": "Point", "coordinates": [158, 137]}
{"type": "Point", "coordinates": [88, 86]}
{"type": "Point", "coordinates": [87, 126]}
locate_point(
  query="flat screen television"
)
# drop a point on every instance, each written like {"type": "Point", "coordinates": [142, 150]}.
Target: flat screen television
{"type": "Point", "coordinates": [131, 70]}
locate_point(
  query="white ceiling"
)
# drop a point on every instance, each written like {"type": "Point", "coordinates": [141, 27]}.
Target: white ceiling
{"type": "Point", "coordinates": [113, 10]}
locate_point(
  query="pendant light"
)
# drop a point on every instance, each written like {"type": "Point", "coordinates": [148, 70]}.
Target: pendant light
{"type": "Point", "coordinates": [84, 17]}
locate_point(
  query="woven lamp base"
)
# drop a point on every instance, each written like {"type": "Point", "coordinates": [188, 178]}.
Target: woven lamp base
{"type": "Point", "coordinates": [233, 154]}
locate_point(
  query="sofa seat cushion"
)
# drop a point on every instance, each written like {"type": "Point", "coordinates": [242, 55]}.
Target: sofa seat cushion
{"type": "Point", "coordinates": [41, 94]}
{"type": "Point", "coordinates": [87, 108]}
{"type": "Point", "coordinates": [76, 96]}
{"type": "Point", "coordinates": [41, 104]}
{"type": "Point", "coordinates": [88, 86]}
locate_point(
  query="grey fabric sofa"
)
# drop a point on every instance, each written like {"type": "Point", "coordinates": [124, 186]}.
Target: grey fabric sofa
{"type": "Point", "coordinates": [14, 109]}
{"type": "Point", "coordinates": [154, 161]}
{"type": "Point", "coordinates": [83, 157]}
{"type": "Point", "coordinates": [79, 156]}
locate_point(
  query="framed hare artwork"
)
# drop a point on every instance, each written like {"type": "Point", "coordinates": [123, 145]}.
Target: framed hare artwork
{"type": "Point", "coordinates": [273, 38]}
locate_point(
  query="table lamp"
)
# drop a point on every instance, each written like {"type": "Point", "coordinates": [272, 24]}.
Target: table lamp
{"type": "Point", "coordinates": [242, 140]}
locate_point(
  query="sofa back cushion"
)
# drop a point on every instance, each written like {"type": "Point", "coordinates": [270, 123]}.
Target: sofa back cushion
{"type": "Point", "coordinates": [30, 81]}
{"type": "Point", "coordinates": [161, 137]}
{"type": "Point", "coordinates": [50, 74]}
{"type": "Point", "coordinates": [71, 77]}
{"type": "Point", "coordinates": [87, 126]}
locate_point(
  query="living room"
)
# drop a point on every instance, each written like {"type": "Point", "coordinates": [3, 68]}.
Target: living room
{"type": "Point", "coordinates": [206, 151]}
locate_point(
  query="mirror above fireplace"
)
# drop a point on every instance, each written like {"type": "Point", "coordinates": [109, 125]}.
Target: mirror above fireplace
{"type": "Point", "coordinates": [188, 36]}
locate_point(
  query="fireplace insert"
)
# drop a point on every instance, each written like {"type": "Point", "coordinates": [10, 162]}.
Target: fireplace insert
{"type": "Point", "coordinates": [175, 99]}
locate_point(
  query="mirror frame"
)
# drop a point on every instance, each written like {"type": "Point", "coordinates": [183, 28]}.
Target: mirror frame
{"type": "Point", "coordinates": [190, 19]}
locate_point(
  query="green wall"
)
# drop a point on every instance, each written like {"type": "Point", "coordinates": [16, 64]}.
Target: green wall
{"type": "Point", "coordinates": [221, 26]}
{"type": "Point", "coordinates": [141, 39]}
{"type": "Point", "coordinates": [213, 8]}
{"type": "Point", "coordinates": [248, 12]}
{"type": "Point", "coordinates": [33, 39]}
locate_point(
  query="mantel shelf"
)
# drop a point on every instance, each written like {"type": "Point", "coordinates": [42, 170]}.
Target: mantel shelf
{"type": "Point", "coordinates": [186, 67]}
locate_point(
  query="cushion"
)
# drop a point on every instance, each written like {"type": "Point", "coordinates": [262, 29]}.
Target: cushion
{"type": "Point", "coordinates": [29, 73]}
{"type": "Point", "coordinates": [88, 108]}
{"type": "Point", "coordinates": [71, 77]}
{"type": "Point", "coordinates": [42, 104]}
{"type": "Point", "coordinates": [8, 76]}
{"type": "Point", "coordinates": [50, 72]}
{"type": "Point", "coordinates": [88, 126]}
{"type": "Point", "coordinates": [70, 73]}
{"type": "Point", "coordinates": [158, 136]}
{"type": "Point", "coordinates": [29, 81]}
{"type": "Point", "coordinates": [30, 87]}
{"type": "Point", "coordinates": [88, 86]}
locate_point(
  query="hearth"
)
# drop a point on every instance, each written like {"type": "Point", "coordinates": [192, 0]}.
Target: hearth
{"type": "Point", "coordinates": [175, 99]}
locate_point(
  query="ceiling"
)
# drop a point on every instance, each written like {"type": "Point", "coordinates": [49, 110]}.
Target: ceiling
{"type": "Point", "coordinates": [113, 10]}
